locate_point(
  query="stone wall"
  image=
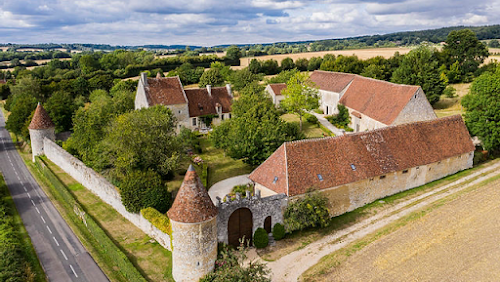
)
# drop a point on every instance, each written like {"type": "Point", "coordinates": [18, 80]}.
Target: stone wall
{"type": "Point", "coordinates": [328, 99]}
{"type": "Point", "coordinates": [101, 188]}
{"type": "Point", "coordinates": [351, 196]}
{"type": "Point", "coordinates": [417, 109]}
{"type": "Point", "coordinates": [261, 208]}
{"type": "Point", "coordinates": [195, 246]}
{"type": "Point", "coordinates": [365, 122]}
{"type": "Point", "coordinates": [37, 136]}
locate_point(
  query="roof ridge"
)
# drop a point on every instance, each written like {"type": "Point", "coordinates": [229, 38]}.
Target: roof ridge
{"type": "Point", "coordinates": [385, 81]}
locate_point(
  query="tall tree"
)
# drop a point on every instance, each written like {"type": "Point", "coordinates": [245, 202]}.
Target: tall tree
{"type": "Point", "coordinates": [233, 53]}
{"type": "Point", "coordinates": [462, 46]}
{"type": "Point", "coordinates": [20, 113]}
{"type": "Point", "coordinates": [300, 94]}
{"type": "Point", "coordinates": [211, 77]}
{"type": "Point", "coordinates": [482, 110]}
{"type": "Point", "coordinates": [61, 107]}
{"type": "Point", "coordinates": [420, 67]}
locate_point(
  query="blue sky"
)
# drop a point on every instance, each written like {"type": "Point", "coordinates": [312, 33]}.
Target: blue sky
{"type": "Point", "coordinates": [214, 22]}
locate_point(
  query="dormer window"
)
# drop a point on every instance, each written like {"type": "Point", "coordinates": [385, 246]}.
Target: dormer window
{"type": "Point", "coordinates": [320, 177]}
{"type": "Point", "coordinates": [275, 180]}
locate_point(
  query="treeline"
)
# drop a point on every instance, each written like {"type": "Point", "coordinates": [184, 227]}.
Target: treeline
{"type": "Point", "coordinates": [9, 56]}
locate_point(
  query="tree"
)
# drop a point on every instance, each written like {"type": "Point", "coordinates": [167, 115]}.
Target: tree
{"type": "Point", "coordinates": [420, 67]}
{"type": "Point", "coordinates": [284, 76]}
{"type": "Point", "coordinates": [300, 94]}
{"type": "Point", "coordinates": [287, 64]}
{"type": "Point", "coordinates": [60, 107]}
{"type": "Point", "coordinates": [302, 64]}
{"type": "Point", "coordinates": [21, 109]}
{"type": "Point", "coordinates": [494, 43]}
{"type": "Point", "coordinates": [270, 67]}
{"type": "Point", "coordinates": [256, 129]}
{"type": "Point", "coordinates": [88, 64]}
{"type": "Point", "coordinates": [462, 46]}
{"type": "Point", "coordinates": [314, 63]}
{"type": "Point", "coordinates": [241, 78]}
{"type": "Point", "coordinates": [308, 211]}
{"type": "Point", "coordinates": [233, 53]}
{"type": "Point", "coordinates": [144, 140]}
{"type": "Point", "coordinates": [30, 86]}
{"type": "Point", "coordinates": [374, 71]}
{"type": "Point", "coordinates": [255, 66]}
{"type": "Point", "coordinates": [144, 189]}
{"type": "Point", "coordinates": [482, 110]}
{"type": "Point", "coordinates": [211, 77]}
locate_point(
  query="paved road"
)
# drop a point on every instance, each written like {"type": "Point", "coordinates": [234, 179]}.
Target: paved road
{"type": "Point", "coordinates": [61, 254]}
{"type": "Point", "coordinates": [224, 187]}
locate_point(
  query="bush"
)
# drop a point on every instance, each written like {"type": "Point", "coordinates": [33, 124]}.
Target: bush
{"type": "Point", "coordinates": [260, 238]}
{"type": "Point", "coordinates": [310, 118]}
{"type": "Point", "coordinates": [449, 92]}
{"type": "Point", "coordinates": [342, 119]}
{"type": "Point", "coordinates": [159, 220]}
{"type": "Point", "coordinates": [278, 231]}
{"type": "Point", "coordinates": [141, 189]}
{"type": "Point", "coordinates": [242, 189]}
{"type": "Point", "coordinates": [309, 211]}
{"type": "Point", "coordinates": [319, 111]}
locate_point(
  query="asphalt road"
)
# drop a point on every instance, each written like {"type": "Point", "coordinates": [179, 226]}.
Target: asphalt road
{"type": "Point", "coordinates": [61, 254]}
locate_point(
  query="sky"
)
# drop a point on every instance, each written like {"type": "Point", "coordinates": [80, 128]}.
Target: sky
{"type": "Point", "coordinates": [217, 22]}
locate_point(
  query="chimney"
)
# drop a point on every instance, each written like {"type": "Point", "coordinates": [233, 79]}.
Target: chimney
{"type": "Point", "coordinates": [209, 89]}
{"type": "Point", "coordinates": [144, 78]}
{"type": "Point", "coordinates": [228, 87]}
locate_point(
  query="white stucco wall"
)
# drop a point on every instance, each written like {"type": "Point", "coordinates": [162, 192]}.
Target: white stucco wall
{"type": "Point", "coordinates": [140, 96]}
{"type": "Point", "coordinates": [328, 99]}
{"type": "Point", "coordinates": [101, 188]}
{"type": "Point", "coordinates": [365, 122]}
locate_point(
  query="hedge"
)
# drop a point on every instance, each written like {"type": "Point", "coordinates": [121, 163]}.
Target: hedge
{"type": "Point", "coordinates": [260, 238]}
{"type": "Point", "coordinates": [159, 220]}
{"type": "Point", "coordinates": [278, 231]}
{"type": "Point", "coordinates": [108, 251]}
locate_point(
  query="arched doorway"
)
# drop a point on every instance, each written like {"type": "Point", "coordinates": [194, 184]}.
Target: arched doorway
{"type": "Point", "coordinates": [267, 224]}
{"type": "Point", "coordinates": [240, 224]}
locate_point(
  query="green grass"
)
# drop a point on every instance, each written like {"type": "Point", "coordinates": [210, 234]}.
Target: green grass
{"type": "Point", "coordinates": [28, 251]}
{"type": "Point", "coordinates": [310, 130]}
{"type": "Point", "coordinates": [336, 258]}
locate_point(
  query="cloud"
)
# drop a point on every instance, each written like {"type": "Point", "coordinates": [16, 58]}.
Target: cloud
{"type": "Point", "coordinates": [213, 22]}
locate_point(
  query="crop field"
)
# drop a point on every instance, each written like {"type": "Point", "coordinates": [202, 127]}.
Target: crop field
{"type": "Point", "coordinates": [454, 240]}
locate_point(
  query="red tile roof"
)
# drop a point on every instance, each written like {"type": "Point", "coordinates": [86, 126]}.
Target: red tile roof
{"type": "Point", "coordinates": [165, 91]}
{"type": "Point", "coordinates": [373, 153]}
{"type": "Point", "coordinates": [41, 119]}
{"type": "Point", "coordinates": [380, 100]}
{"type": "Point", "coordinates": [277, 88]}
{"type": "Point", "coordinates": [331, 81]}
{"type": "Point", "coordinates": [200, 103]}
{"type": "Point", "coordinates": [192, 203]}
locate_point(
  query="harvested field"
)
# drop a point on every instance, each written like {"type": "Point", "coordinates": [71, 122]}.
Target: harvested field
{"type": "Point", "coordinates": [453, 240]}
{"type": "Point", "coordinates": [361, 53]}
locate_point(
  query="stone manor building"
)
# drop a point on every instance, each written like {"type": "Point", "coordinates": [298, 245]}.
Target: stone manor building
{"type": "Point", "coordinates": [371, 103]}
{"type": "Point", "coordinates": [188, 105]}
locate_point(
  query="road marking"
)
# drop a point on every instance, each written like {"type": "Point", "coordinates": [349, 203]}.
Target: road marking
{"type": "Point", "coordinates": [43, 219]}
{"type": "Point", "coordinates": [33, 202]}
{"type": "Point", "coordinates": [29, 196]}
{"type": "Point", "coordinates": [73, 270]}
{"type": "Point", "coordinates": [57, 243]}
{"type": "Point", "coordinates": [37, 210]}
{"type": "Point", "coordinates": [15, 171]}
{"type": "Point", "coordinates": [25, 190]}
{"type": "Point", "coordinates": [18, 178]}
{"type": "Point", "coordinates": [49, 229]}
{"type": "Point", "coordinates": [65, 257]}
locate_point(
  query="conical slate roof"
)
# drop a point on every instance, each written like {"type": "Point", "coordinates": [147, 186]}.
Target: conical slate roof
{"type": "Point", "coordinates": [41, 119]}
{"type": "Point", "coordinates": [192, 203]}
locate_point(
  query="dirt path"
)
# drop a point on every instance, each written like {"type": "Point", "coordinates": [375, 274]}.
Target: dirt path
{"type": "Point", "coordinates": [291, 266]}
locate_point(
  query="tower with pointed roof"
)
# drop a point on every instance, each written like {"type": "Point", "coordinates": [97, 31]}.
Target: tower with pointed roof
{"type": "Point", "coordinates": [193, 218]}
{"type": "Point", "coordinates": [41, 127]}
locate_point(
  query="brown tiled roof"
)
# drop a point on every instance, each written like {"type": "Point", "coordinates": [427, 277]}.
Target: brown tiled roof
{"type": "Point", "coordinates": [41, 119]}
{"type": "Point", "coordinates": [277, 88]}
{"type": "Point", "coordinates": [200, 103]}
{"type": "Point", "coordinates": [165, 91]}
{"type": "Point", "coordinates": [373, 153]}
{"type": "Point", "coordinates": [331, 81]}
{"type": "Point", "coordinates": [380, 100]}
{"type": "Point", "coordinates": [192, 203]}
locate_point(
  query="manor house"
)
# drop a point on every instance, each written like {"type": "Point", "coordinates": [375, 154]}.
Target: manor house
{"type": "Point", "coordinates": [356, 169]}
{"type": "Point", "coordinates": [371, 103]}
{"type": "Point", "coordinates": [188, 105]}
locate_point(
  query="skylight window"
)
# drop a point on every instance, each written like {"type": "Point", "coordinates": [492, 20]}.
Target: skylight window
{"type": "Point", "coordinates": [353, 167]}
{"type": "Point", "coordinates": [320, 177]}
{"type": "Point", "coordinates": [275, 180]}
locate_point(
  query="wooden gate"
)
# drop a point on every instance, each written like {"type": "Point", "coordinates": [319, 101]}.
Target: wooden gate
{"type": "Point", "coordinates": [240, 224]}
{"type": "Point", "coordinates": [267, 224]}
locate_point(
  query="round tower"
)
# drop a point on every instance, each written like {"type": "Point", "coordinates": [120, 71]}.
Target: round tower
{"type": "Point", "coordinates": [193, 218]}
{"type": "Point", "coordinates": [41, 126]}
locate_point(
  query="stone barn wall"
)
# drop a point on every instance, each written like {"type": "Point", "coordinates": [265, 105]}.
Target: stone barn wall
{"type": "Point", "coordinates": [101, 188]}
{"type": "Point", "coordinates": [261, 208]}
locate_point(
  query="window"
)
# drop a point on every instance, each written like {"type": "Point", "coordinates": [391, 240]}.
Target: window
{"type": "Point", "coordinates": [194, 121]}
{"type": "Point", "coordinates": [320, 177]}
{"type": "Point", "coordinates": [405, 171]}
{"type": "Point", "coordinates": [275, 180]}
{"type": "Point", "coordinates": [353, 167]}
{"type": "Point", "coordinates": [222, 117]}
{"type": "Point", "coordinates": [417, 167]}
{"type": "Point", "coordinates": [179, 112]}
{"type": "Point", "coordinates": [229, 115]}
{"type": "Point", "coordinates": [382, 177]}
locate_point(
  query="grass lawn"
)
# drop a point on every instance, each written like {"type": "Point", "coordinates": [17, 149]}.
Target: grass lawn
{"type": "Point", "coordinates": [310, 130]}
{"type": "Point", "coordinates": [451, 106]}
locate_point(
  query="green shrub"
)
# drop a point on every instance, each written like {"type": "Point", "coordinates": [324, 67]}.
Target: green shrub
{"type": "Point", "coordinates": [309, 211]}
{"type": "Point", "coordinates": [310, 118]}
{"type": "Point", "coordinates": [159, 220]}
{"type": "Point", "coordinates": [260, 238]}
{"type": "Point", "coordinates": [141, 189]}
{"type": "Point", "coordinates": [318, 111]}
{"type": "Point", "coordinates": [449, 91]}
{"type": "Point", "coordinates": [278, 231]}
{"type": "Point", "coordinates": [342, 119]}
{"type": "Point", "coordinates": [242, 189]}
{"type": "Point", "coordinates": [204, 175]}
